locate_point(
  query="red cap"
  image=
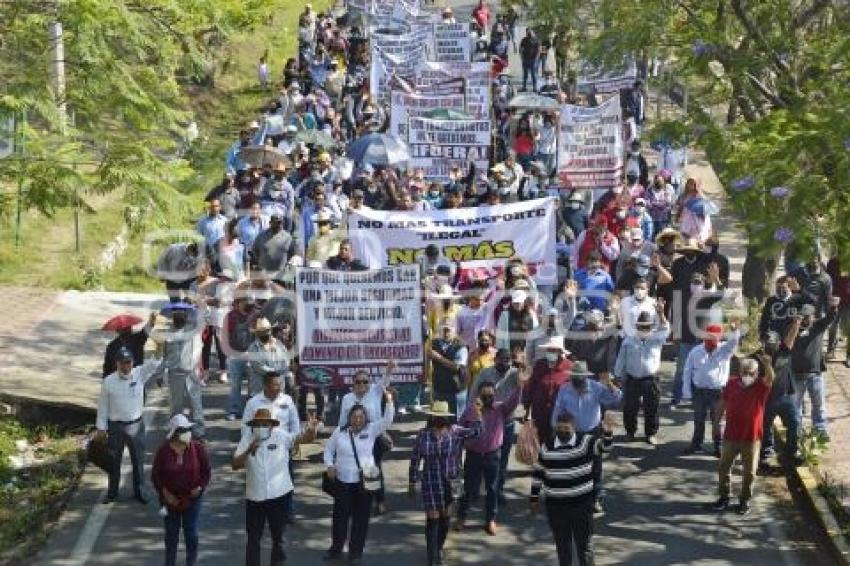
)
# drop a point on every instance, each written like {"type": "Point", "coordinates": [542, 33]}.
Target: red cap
{"type": "Point", "coordinates": [714, 329]}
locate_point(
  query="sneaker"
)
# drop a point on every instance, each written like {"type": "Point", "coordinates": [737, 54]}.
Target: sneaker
{"type": "Point", "coordinates": [417, 407]}
{"type": "Point", "coordinates": [721, 504]}
{"type": "Point", "coordinates": [597, 507]}
{"type": "Point", "coordinates": [743, 507]}
{"type": "Point", "coordinates": [222, 377]}
{"type": "Point", "coordinates": [232, 416]}
{"type": "Point", "coordinates": [652, 440]}
{"type": "Point", "coordinates": [402, 411]}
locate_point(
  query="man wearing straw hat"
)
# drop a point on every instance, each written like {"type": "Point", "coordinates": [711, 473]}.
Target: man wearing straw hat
{"type": "Point", "coordinates": [449, 359]}
{"type": "Point", "coordinates": [263, 451]}
{"type": "Point", "coordinates": [266, 353]}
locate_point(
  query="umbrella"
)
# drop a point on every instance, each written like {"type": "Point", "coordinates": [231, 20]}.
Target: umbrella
{"type": "Point", "coordinates": [316, 138]}
{"type": "Point", "coordinates": [446, 114]}
{"type": "Point", "coordinates": [532, 101]}
{"type": "Point", "coordinates": [379, 149]}
{"type": "Point", "coordinates": [258, 156]}
{"type": "Point", "coordinates": [122, 321]}
{"type": "Point", "coordinates": [171, 307]}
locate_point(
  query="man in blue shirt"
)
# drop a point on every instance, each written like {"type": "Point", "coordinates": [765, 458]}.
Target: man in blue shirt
{"type": "Point", "coordinates": [211, 226]}
{"type": "Point", "coordinates": [582, 397]}
{"type": "Point", "coordinates": [594, 283]}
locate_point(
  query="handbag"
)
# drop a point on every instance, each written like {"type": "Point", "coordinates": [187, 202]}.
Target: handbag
{"type": "Point", "coordinates": [98, 453]}
{"type": "Point", "coordinates": [329, 485]}
{"type": "Point", "coordinates": [527, 445]}
{"type": "Point", "coordinates": [370, 479]}
{"type": "Point", "coordinates": [385, 441]}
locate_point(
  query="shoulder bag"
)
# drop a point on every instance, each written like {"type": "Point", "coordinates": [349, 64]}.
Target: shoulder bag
{"type": "Point", "coordinates": [370, 480]}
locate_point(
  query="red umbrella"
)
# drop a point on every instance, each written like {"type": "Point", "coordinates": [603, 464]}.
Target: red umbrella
{"type": "Point", "coordinates": [122, 321]}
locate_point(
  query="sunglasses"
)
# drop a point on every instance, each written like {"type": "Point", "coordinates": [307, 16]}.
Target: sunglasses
{"type": "Point", "coordinates": [361, 382]}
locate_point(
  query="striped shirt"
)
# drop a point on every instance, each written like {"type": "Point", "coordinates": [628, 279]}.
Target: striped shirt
{"type": "Point", "coordinates": [564, 472]}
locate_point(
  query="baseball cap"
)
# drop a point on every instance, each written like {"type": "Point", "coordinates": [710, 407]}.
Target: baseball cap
{"type": "Point", "coordinates": [124, 354]}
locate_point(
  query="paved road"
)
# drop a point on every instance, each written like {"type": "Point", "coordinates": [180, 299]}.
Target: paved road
{"type": "Point", "coordinates": [656, 509]}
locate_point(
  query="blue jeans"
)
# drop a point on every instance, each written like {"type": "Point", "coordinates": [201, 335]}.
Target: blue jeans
{"type": "Point", "coordinates": [681, 358]}
{"type": "Point", "coordinates": [188, 519]}
{"type": "Point", "coordinates": [508, 440]}
{"type": "Point", "coordinates": [529, 68]}
{"type": "Point", "coordinates": [476, 466]}
{"type": "Point", "coordinates": [236, 371]}
{"type": "Point", "coordinates": [705, 404]}
{"type": "Point", "coordinates": [786, 409]}
{"type": "Point", "coordinates": [813, 383]}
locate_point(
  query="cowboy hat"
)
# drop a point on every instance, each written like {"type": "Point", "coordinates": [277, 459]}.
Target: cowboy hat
{"type": "Point", "coordinates": [262, 325]}
{"type": "Point", "coordinates": [690, 245]}
{"type": "Point", "coordinates": [263, 416]}
{"type": "Point", "coordinates": [439, 409]}
{"type": "Point", "coordinates": [576, 196]}
{"type": "Point", "coordinates": [554, 343]}
{"type": "Point", "coordinates": [323, 216]}
{"type": "Point", "coordinates": [579, 368]}
{"type": "Point", "coordinates": [178, 422]}
{"type": "Point", "coordinates": [518, 296]}
{"type": "Point", "coordinates": [668, 233]}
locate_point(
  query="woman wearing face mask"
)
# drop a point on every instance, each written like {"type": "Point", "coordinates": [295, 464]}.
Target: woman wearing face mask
{"type": "Point", "coordinates": [348, 456]}
{"type": "Point", "coordinates": [181, 473]}
{"type": "Point", "coordinates": [693, 210]}
{"type": "Point", "coordinates": [438, 447]}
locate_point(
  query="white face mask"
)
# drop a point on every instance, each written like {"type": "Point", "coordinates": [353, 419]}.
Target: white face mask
{"type": "Point", "coordinates": [748, 380]}
{"type": "Point", "coordinates": [640, 294]}
{"type": "Point", "coordinates": [185, 437]}
{"type": "Point", "coordinates": [552, 357]}
{"type": "Point", "coordinates": [262, 433]}
{"type": "Point", "coordinates": [617, 190]}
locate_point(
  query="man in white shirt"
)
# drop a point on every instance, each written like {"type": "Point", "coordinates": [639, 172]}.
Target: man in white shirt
{"type": "Point", "coordinates": [119, 415]}
{"type": "Point", "coordinates": [513, 173]}
{"type": "Point", "coordinates": [705, 375]}
{"type": "Point", "coordinates": [263, 451]}
{"type": "Point", "coordinates": [632, 306]}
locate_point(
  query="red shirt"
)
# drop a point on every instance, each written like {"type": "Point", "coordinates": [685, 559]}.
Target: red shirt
{"type": "Point", "coordinates": [482, 16]}
{"type": "Point", "coordinates": [744, 410]}
{"type": "Point", "coordinates": [541, 390]}
{"type": "Point", "coordinates": [180, 476]}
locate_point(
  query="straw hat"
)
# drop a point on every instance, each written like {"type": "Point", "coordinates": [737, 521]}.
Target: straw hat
{"type": "Point", "coordinates": [263, 416]}
{"type": "Point", "coordinates": [439, 409]}
{"type": "Point", "coordinates": [668, 233]}
{"type": "Point", "coordinates": [554, 343]}
{"type": "Point", "coordinates": [518, 296]}
{"type": "Point", "coordinates": [446, 293]}
{"type": "Point", "coordinates": [262, 325]}
{"type": "Point", "coordinates": [690, 245]}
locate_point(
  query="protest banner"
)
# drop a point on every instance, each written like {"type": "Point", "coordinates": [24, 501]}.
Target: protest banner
{"type": "Point", "coordinates": [405, 105]}
{"type": "Point", "coordinates": [480, 238]}
{"type": "Point", "coordinates": [590, 148]}
{"type": "Point", "coordinates": [385, 65]}
{"type": "Point", "coordinates": [452, 43]}
{"type": "Point", "coordinates": [606, 79]}
{"type": "Point", "coordinates": [350, 321]}
{"type": "Point", "coordinates": [436, 146]}
{"type": "Point", "coordinates": [477, 76]}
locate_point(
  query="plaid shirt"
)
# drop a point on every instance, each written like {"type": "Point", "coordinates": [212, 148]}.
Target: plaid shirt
{"type": "Point", "coordinates": [441, 455]}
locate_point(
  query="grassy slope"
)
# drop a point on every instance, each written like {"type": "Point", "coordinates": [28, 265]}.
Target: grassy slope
{"type": "Point", "coordinates": [47, 258]}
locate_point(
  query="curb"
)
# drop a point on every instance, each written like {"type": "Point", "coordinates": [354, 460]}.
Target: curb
{"type": "Point", "coordinates": [808, 480]}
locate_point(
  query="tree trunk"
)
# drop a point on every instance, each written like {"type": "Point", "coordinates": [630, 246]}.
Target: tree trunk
{"type": "Point", "coordinates": [757, 275]}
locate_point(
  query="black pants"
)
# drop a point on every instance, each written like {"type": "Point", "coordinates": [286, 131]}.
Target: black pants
{"type": "Point", "coordinates": [378, 455]}
{"type": "Point", "coordinates": [210, 336]}
{"type": "Point", "coordinates": [351, 506]}
{"type": "Point", "coordinates": [646, 392]}
{"type": "Point", "coordinates": [572, 522]}
{"type": "Point", "coordinates": [176, 290]}
{"type": "Point", "coordinates": [256, 515]}
{"type": "Point", "coordinates": [131, 435]}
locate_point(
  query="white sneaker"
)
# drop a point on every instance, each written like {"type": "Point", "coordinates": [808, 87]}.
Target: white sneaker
{"type": "Point", "coordinates": [222, 377]}
{"type": "Point", "coordinates": [402, 411]}
{"type": "Point", "coordinates": [417, 407]}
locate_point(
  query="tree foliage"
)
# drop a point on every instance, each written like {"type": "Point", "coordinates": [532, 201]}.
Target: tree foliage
{"type": "Point", "coordinates": [128, 64]}
{"type": "Point", "coordinates": [768, 83]}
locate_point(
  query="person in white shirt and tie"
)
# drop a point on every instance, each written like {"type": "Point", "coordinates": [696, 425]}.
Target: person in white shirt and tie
{"type": "Point", "coordinates": [348, 456]}
{"type": "Point", "coordinates": [263, 451]}
{"type": "Point", "coordinates": [706, 373]}
{"type": "Point", "coordinates": [369, 395]}
{"type": "Point", "coordinates": [119, 418]}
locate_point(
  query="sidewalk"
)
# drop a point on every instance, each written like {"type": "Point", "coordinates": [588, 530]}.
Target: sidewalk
{"type": "Point", "coordinates": [833, 466]}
